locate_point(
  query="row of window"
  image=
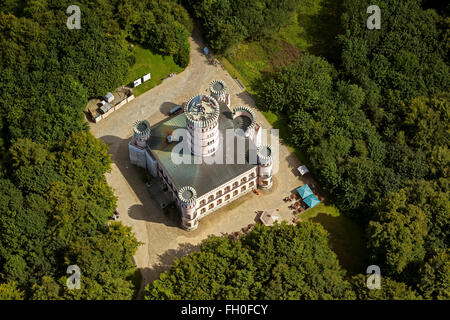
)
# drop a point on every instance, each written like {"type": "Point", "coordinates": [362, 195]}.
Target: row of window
{"type": "Point", "coordinates": [228, 189]}
{"type": "Point", "coordinates": [227, 197]}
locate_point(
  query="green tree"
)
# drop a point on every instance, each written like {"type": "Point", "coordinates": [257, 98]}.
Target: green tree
{"type": "Point", "coordinates": [280, 262]}
{"type": "Point", "coordinates": [227, 22]}
{"type": "Point", "coordinates": [390, 290]}
{"type": "Point", "coordinates": [396, 237]}
{"type": "Point", "coordinates": [9, 291]}
{"type": "Point", "coordinates": [163, 26]}
{"type": "Point", "coordinates": [435, 276]}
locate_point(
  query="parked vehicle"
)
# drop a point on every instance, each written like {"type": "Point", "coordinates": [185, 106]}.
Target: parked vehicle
{"type": "Point", "coordinates": [175, 110]}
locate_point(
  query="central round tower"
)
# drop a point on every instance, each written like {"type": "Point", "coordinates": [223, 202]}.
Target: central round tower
{"type": "Point", "coordinates": [202, 122]}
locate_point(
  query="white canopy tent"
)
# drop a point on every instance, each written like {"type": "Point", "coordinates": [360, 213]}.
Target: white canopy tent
{"type": "Point", "coordinates": [303, 170]}
{"type": "Point", "coordinates": [268, 218]}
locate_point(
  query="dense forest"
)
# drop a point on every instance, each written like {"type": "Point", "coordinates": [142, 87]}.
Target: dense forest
{"type": "Point", "coordinates": [225, 23]}
{"type": "Point", "coordinates": [55, 204]}
{"type": "Point", "coordinates": [375, 130]}
{"type": "Point", "coordinates": [270, 263]}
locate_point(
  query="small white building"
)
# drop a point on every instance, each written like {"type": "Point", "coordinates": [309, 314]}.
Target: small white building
{"type": "Point", "coordinates": [303, 170]}
{"type": "Point", "coordinates": [109, 97]}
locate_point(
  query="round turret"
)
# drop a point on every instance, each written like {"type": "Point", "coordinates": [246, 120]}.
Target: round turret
{"type": "Point", "coordinates": [141, 130]}
{"type": "Point", "coordinates": [188, 203]}
{"type": "Point", "coordinates": [244, 118]}
{"type": "Point", "coordinates": [202, 121]}
{"type": "Point", "coordinates": [265, 162]}
{"type": "Point", "coordinates": [218, 90]}
{"type": "Point", "coordinates": [187, 195]}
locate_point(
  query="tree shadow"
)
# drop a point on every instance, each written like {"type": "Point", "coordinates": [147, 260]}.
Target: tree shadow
{"type": "Point", "coordinates": [246, 97]}
{"type": "Point", "coordinates": [346, 239]}
{"type": "Point", "coordinates": [293, 164]}
{"type": "Point", "coordinates": [322, 28]}
{"type": "Point", "coordinates": [165, 262]}
{"type": "Point", "coordinates": [197, 37]}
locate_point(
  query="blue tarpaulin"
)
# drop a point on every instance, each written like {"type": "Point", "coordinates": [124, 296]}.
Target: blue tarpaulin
{"type": "Point", "coordinates": [304, 191]}
{"type": "Point", "coordinates": [311, 201]}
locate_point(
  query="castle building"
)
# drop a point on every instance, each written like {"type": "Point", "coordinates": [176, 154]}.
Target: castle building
{"type": "Point", "coordinates": [220, 166]}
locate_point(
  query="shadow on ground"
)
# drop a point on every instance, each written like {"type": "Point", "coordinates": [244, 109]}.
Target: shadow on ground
{"type": "Point", "coordinates": [346, 239]}
{"type": "Point", "coordinates": [166, 107]}
{"type": "Point", "coordinates": [137, 177]}
{"type": "Point", "coordinates": [165, 261]}
{"type": "Point", "coordinates": [322, 28]}
{"type": "Point", "coordinates": [246, 97]}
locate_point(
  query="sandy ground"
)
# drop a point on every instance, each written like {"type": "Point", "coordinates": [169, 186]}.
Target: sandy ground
{"type": "Point", "coordinates": [162, 238]}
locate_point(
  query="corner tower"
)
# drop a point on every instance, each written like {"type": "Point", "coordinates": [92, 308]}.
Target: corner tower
{"type": "Point", "coordinates": [141, 131]}
{"type": "Point", "coordinates": [244, 118]}
{"type": "Point", "coordinates": [138, 143]}
{"type": "Point", "coordinates": [218, 90]}
{"type": "Point", "coordinates": [188, 204]}
{"type": "Point", "coordinates": [265, 163]}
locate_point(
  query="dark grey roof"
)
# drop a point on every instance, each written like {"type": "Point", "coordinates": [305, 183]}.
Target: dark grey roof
{"type": "Point", "coordinates": [188, 194]}
{"type": "Point", "coordinates": [242, 122]}
{"type": "Point", "coordinates": [105, 108]}
{"type": "Point", "coordinates": [141, 128]}
{"type": "Point", "coordinates": [203, 177]}
{"type": "Point", "coordinates": [109, 95]}
{"type": "Point", "coordinates": [218, 86]}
